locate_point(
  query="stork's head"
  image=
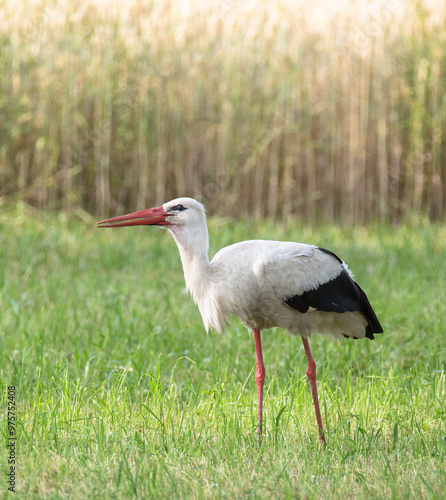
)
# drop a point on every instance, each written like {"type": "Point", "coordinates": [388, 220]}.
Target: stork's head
{"type": "Point", "coordinates": [178, 212]}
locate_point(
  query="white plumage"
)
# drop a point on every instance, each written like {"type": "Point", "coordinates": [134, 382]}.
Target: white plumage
{"type": "Point", "coordinates": [273, 271]}
{"type": "Point", "coordinates": [299, 287]}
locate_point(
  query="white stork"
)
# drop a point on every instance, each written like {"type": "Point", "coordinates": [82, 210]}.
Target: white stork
{"type": "Point", "coordinates": [299, 287]}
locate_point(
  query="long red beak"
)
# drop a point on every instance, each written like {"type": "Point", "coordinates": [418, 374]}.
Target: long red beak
{"type": "Point", "coordinates": [150, 217]}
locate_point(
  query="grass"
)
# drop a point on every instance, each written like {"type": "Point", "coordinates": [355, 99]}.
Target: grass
{"type": "Point", "coordinates": [335, 111]}
{"type": "Point", "coordinates": [121, 393]}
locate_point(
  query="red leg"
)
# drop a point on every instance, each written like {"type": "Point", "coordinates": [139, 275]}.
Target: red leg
{"type": "Point", "coordinates": [260, 377]}
{"type": "Point", "coordinates": [311, 374]}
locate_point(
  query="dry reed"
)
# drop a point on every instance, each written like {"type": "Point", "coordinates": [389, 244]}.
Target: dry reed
{"type": "Point", "coordinates": [335, 110]}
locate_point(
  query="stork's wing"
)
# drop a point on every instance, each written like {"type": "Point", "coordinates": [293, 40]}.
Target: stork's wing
{"type": "Point", "coordinates": [310, 278]}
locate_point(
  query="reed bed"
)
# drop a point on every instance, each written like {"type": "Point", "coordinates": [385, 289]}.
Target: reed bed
{"type": "Point", "coordinates": [333, 112]}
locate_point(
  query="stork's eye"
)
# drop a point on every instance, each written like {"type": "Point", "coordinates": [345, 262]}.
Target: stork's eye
{"type": "Point", "coordinates": [178, 208]}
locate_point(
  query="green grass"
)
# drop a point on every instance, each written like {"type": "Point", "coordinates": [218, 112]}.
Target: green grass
{"type": "Point", "coordinates": [121, 393]}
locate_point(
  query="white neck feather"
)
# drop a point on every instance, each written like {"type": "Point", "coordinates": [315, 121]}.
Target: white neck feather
{"type": "Point", "coordinates": [199, 274]}
{"type": "Point", "coordinates": [193, 244]}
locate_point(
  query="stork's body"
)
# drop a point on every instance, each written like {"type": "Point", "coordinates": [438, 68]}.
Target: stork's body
{"type": "Point", "coordinates": [299, 287]}
{"type": "Point", "coordinates": [281, 279]}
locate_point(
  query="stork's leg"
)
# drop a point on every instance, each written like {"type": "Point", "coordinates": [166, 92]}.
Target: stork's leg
{"type": "Point", "coordinates": [311, 374]}
{"type": "Point", "coordinates": [260, 378]}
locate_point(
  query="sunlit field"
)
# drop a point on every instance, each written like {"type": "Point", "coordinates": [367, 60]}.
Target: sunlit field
{"type": "Point", "coordinates": [328, 110]}
{"type": "Point", "coordinates": [120, 393]}
{"type": "Point", "coordinates": [319, 122]}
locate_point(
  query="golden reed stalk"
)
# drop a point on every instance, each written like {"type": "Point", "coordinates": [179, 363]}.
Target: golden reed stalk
{"type": "Point", "coordinates": [331, 110]}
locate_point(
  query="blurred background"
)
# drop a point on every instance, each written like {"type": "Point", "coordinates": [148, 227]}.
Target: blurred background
{"type": "Point", "coordinates": [331, 111]}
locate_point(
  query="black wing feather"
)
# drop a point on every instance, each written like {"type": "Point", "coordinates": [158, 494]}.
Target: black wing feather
{"type": "Point", "coordinates": [340, 295]}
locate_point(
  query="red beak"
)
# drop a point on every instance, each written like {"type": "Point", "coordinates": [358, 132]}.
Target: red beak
{"type": "Point", "coordinates": [150, 217]}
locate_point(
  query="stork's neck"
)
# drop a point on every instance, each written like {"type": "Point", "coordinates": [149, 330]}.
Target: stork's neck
{"type": "Point", "coordinates": [193, 244]}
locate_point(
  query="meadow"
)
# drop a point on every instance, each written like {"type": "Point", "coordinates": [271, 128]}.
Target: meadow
{"type": "Point", "coordinates": [324, 120]}
{"type": "Point", "coordinates": [121, 394]}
